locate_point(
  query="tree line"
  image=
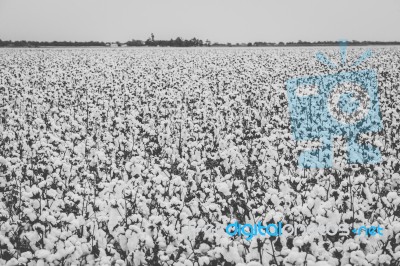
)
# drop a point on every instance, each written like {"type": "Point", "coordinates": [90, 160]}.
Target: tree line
{"type": "Point", "coordinates": [180, 42]}
{"type": "Point", "coordinates": [54, 43]}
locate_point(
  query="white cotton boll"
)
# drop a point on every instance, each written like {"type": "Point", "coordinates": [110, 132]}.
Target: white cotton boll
{"type": "Point", "coordinates": [392, 196]}
{"type": "Point", "coordinates": [137, 169]}
{"type": "Point", "coordinates": [224, 242]}
{"type": "Point", "coordinates": [128, 166]}
{"type": "Point", "coordinates": [204, 248]}
{"type": "Point", "coordinates": [12, 262]}
{"type": "Point", "coordinates": [42, 253]}
{"type": "Point", "coordinates": [36, 204]}
{"type": "Point", "coordinates": [232, 255]}
{"type": "Point", "coordinates": [68, 244]}
{"type": "Point", "coordinates": [85, 249]}
{"type": "Point", "coordinates": [204, 260]}
{"type": "Point", "coordinates": [384, 258]}
{"type": "Point", "coordinates": [223, 188]}
{"type": "Point", "coordinates": [359, 180]}
{"type": "Point", "coordinates": [139, 257]}
{"type": "Point", "coordinates": [372, 258]}
{"type": "Point", "coordinates": [120, 262]}
{"type": "Point", "coordinates": [114, 219]}
{"type": "Point", "coordinates": [42, 184]}
{"type": "Point", "coordinates": [158, 179]}
{"type": "Point", "coordinates": [27, 255]}
{"type": "Point", "coordinates": [188, 263]}
{"type": "Point", "coordinates": [101, 155]}
{"type": "Point", "coordinates": [22, 260]}
{"type": "Point", "coordinates": [201, 223]}
{"type": "Point", "coordinates": [133, 243]}
{"type": "Point", "coordinates": [170, 249]}
{"type": "Point", "coordinates": [3, 161]}
{"type": "Point", "coordinates": [64, 235]}
{"type": "Point", "coordinates": [69, 218]}
{"type": "Point", "coordinates": [396, 178]}
{"type": "Point", "coordinates": [49, 242]}
{"type": "Point", "coordinates": [51, 219]}
{"type": "Point", "coordinates": [123, 242]}
{"type": "Point", "coordinates": [69, 250]}
{"type": "Point", "coordinates": [368, 194]}
{"type": "Point", "coordinates": [51, 258]}
{"type": "Point", "coordinates": [396, 227]}
{"type": "Point", "coordinates": [52, 193]}
{"type": "Point", "coordinates": [275, 200]}
{"type": "Point", "coordinates": [80, 148]}
{"type": "Point", "coordinates": [149, 241]}
{"type": "Point", "coordinates": [385, 201]}
{"type": "Point", "coordinates": [298, 242]}
{"type": "Point", "coordinates": [177, 181]}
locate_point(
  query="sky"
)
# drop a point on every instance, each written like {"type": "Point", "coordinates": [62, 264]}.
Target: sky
{"type": "Point", "coordinates": [234, 21]}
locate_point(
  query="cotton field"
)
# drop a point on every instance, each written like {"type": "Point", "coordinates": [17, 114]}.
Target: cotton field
{"type": "Point", "coordinates": [144, 156]}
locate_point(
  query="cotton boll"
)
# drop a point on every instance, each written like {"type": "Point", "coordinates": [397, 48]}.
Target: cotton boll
{"type": "Point", "coordinates": [204, 260]}
{"type": "Point", "coordinates": [12, 262]}
{"type": "Point", "coordinates": [119, 262]}
{"type": "Point", "coordinates": [22, 260]}
{"type": "Point", "coordinates": [232, 255]}
{"type": "Point", "coordinates": [133, 243]}
{"type": "Point", "coordinates": [114, 219]}
{"type": "Point", "coordinates": [27, 255]}
{"type": "Point", "coordinates": [170, 249]}
{"type": "Point", "coordinates": [359, 180]}
{"type": "Point", "coordinates": [396, 227]}
{"type": "Point", "coordinates": [384, 258]}
{"type": "Point", "coordinates": [149, 241]}
{"type": "Point", "coordinates": [128, 166]}
{"type": "Point", "coordinates": [123, 242]}
{"type": "Point", "coordinates": [42, 254]}
{"type": "Point", "coordinates": [391, 196]}
{"type": "Point", "coordinates": [223, 188]}
{"type": "Point", "coordinates": [204, 248]}
{"type": "Point", "coordinates": [3, 161]}
{"type": "Point", "coordinates": [298, 242]}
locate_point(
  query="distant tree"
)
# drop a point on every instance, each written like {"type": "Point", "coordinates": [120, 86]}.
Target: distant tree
{"type": "Point", "coordinates": [148, 42]}
{"type": "Point", "coordinates": [152, 37]}
{"type": "Point", "coordinates": [135, 43]}
{"type": "Point", "coordinates": [178, 42]}
{"type": "Point", "coordinates": [249, 44]}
